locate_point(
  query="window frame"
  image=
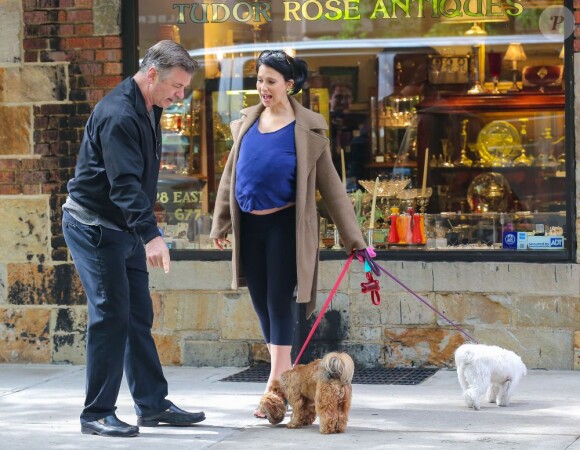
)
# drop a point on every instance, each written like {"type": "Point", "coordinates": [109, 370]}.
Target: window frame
{"type": "Point", "coordinates": [130, 42]}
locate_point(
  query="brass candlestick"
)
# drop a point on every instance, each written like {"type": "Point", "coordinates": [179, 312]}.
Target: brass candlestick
{"type": "Point", "coordinates": [423, 200]}
{"type": "Point", "coordinates": [523, 159]}
{"type": "Point", "coordinates": [463, 160]}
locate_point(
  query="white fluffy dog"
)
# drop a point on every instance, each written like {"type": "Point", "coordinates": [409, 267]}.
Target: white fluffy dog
{"type": "Point", "coordinates": [490, 368]}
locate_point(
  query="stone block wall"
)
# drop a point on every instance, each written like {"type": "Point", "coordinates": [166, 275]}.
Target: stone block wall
{"type": "Point", "coordinates": [533, 309]}
{"type": "Point", "coordinates": [66, 55]}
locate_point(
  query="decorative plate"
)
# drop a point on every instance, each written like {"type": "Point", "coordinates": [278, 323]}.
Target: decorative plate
{"type": "Point", "coordinates": [499, 142]}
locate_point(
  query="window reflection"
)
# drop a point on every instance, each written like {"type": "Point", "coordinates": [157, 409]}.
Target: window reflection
{"type": "Point", "coordinates": [395, 95]}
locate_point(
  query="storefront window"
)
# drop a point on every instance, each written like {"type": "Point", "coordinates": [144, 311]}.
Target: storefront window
{"type": "Point", "coordinates": [455, 110]}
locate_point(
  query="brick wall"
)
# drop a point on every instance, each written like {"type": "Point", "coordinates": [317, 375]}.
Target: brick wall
{"type": "Point", "coordinates": [68, 57]}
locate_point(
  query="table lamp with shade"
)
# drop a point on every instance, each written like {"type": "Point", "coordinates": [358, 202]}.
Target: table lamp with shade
{"type": "Point", "coordinates": [490, 12]}
{"type": "Point", "coordinates": [514, 53]}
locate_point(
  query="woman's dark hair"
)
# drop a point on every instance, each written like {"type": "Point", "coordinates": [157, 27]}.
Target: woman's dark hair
{"type": "Point", "coordinates": [290, 68]}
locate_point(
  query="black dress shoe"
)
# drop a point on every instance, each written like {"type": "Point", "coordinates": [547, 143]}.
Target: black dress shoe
{"type": "Point", "coordinates": [171, 416]}
{"type": "Point", "coordinates": [109, 426]}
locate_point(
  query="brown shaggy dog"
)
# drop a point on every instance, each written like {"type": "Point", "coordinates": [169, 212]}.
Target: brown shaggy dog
{"type": "Point", "coordinates": [321, 388]}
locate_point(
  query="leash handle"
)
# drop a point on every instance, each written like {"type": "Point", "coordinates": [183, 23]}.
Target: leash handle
{"type": "Point", "coordinates": [372, 287]}
{"type": "Point", "coordinates": [325, 306]}
{"type": "Point", "coordinates": [366, 258]}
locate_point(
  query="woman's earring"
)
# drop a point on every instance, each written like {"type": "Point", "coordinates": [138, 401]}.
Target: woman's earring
{"type": "Point", "coordinates": [289, 90]}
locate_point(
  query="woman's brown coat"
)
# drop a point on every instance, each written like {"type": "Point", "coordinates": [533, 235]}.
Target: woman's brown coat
{"type": "Point", "coordinates": [315, 170]}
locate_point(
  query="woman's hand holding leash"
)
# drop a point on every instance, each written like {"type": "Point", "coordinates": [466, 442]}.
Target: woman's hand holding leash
{"type": "Point", "coordinates": [372, 285]}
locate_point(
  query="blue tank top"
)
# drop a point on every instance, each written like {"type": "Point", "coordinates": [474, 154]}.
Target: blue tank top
{"type": "Point", "coordinates": [266, 169]}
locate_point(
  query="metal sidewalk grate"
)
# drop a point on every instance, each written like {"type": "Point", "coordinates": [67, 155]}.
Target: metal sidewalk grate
{"type": "Point", "coordinates": [398, 375]}
{"type": "Point", "coordinates": [381, 375]}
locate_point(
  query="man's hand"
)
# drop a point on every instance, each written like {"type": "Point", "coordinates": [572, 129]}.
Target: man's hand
{"type": "Point", "coordinates": [157, 253]}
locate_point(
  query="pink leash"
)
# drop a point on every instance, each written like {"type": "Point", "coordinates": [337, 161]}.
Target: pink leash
{"type": "Point", "coordinates": [323, 310]}
{"type": "Point", "coordinates": [422, 300]}
{"type": "Point", "coordinates": [377, 269]}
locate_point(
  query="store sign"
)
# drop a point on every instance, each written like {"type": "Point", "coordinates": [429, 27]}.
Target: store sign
{"type": "Point", "coordinates": [333, 10]}
{"type": "Point", "coordinates": [258, 12]}
{"type": "Point", "coordinates": [180, 205]}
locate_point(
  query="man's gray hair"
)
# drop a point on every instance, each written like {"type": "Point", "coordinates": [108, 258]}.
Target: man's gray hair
{"type": "Point", "coordinates": [166, 55]}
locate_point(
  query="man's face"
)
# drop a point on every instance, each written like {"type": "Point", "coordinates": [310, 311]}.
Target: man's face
{"type": "Point", "coordinates": [167, 86]}
{"type": "Point", "coordinates": [340, 99]}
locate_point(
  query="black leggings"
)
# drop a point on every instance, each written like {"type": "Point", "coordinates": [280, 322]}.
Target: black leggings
{"type": "Point", "coordinates": [268, 254]}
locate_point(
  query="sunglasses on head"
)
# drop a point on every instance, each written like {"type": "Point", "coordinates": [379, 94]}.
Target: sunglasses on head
{"type": "Point", "coordinates": [278, 54]}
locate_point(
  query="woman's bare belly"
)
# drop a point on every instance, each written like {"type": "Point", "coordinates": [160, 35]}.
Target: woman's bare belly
{"type": "Point", "coordinates": [263, 212]}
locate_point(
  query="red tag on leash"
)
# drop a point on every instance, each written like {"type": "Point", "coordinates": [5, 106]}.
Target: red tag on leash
{"type": "Point", "coordinates": [371, 286]}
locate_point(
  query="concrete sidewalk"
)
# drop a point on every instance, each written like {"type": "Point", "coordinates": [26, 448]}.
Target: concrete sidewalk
{"type": "Point", "coordinates": [40, 406]}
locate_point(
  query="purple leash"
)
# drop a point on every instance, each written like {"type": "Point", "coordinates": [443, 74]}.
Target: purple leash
{"type": "Point", "coordinates": [377, 269]}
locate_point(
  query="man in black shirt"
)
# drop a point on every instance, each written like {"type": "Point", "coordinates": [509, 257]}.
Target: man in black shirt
{"type": "Point", "coordinates": [111, 232]}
